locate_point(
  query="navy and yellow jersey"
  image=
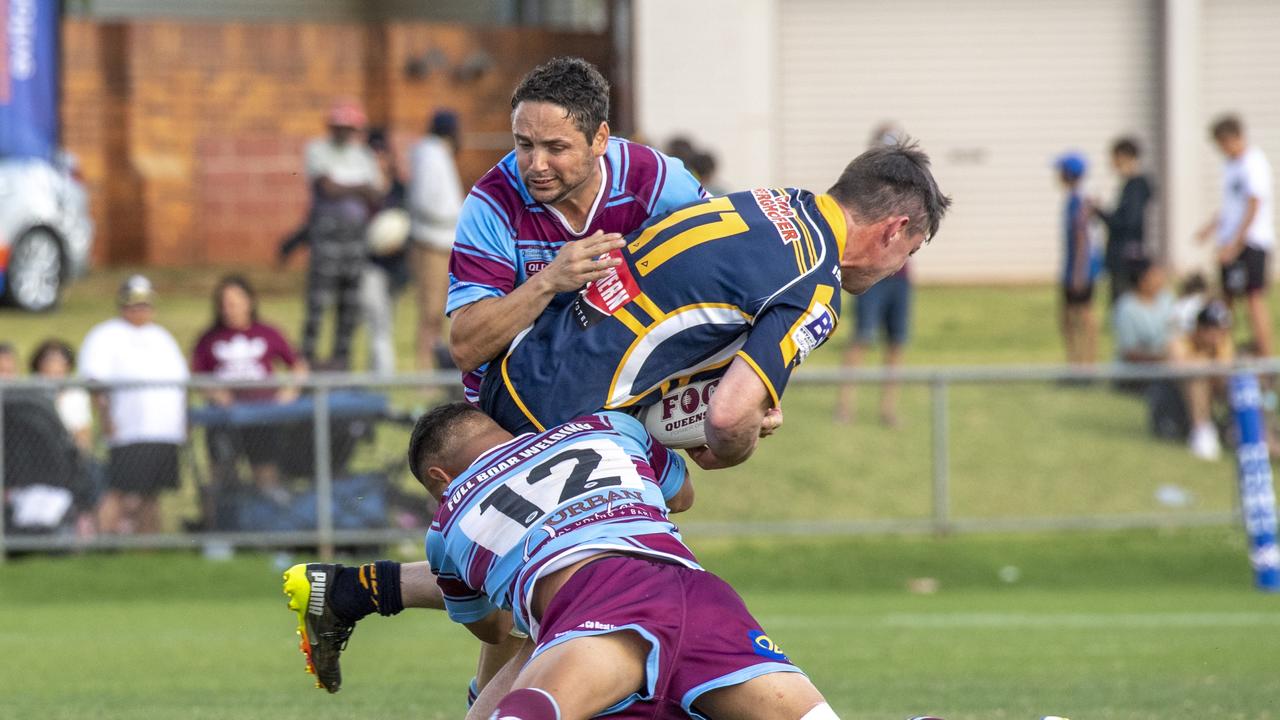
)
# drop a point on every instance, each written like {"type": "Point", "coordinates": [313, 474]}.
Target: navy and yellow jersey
{"type": "Point", "coordinates": [754, 274]}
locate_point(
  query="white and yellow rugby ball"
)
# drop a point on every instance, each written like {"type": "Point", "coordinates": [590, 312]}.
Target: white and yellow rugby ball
{"type": "Point", "coordinates": [678, 420]}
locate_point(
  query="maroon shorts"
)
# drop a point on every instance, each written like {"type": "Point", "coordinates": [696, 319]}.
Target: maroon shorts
{"type": "Point", "coordinates": [700, 634]}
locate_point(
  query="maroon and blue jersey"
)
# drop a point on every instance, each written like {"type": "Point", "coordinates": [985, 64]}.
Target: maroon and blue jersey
{"type": "Point", "coordinates": [504, 236]}
{"type": "Point", "coordinates": [754, 274]}
{"type": "Point", "coordinates": [542, 502]}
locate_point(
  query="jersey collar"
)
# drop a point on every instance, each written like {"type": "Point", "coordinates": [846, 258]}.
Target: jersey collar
{"type": "Point", "coordinates": [834, 216]}
{"type": "Point", "coordinates": [591, 215]}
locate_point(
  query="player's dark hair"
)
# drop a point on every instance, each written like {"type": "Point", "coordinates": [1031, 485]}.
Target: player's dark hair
{"type": "Point", "coordinates": [571, 83]}
{"type": "Point", "coordinates": [1126, 146]}
{"type": "Point", "coordinates": [433, 432]}
{"type": "Point", "coordinates": [893, 179]}
{"type": "Point", "coordinates": [1227, 126]}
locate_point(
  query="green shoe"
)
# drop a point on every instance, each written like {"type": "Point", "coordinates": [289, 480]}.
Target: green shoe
{"type": "Point", "coordinates": [324, 636]}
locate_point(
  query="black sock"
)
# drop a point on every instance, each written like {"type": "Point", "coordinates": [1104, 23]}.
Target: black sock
{"type": "Point", "coordinates": [362, 591]}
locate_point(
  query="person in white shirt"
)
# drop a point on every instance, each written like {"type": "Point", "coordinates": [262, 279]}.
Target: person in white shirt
{"type": "Point", "coordinates": [1244, 225]}
{"type": "Point", "coordinates": [435, 200]}
{"type": "Point", "coordinates": [346, 184]}
{"type": "Point", "coordinates": [144, 426]}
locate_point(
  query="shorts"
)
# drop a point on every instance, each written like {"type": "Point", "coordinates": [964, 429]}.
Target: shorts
{"type": "Point", "coordinates": [1077, 297]}
{"type": "Point", "coordinates": [884, 306]}
{"type": "Point", "coordinates": [1247, 274]}
{"type": "Point", "coordinates": [700, 634]}
{"type": "Point", "coordinates": [144, 468]}
{"type": "Point", "coordinates": [261, 444]}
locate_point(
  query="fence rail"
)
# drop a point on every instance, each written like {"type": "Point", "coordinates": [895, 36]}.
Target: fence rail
{"type": "Point", "coordinates": [327, 536]}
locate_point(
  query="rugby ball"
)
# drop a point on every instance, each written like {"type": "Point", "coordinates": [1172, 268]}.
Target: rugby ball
{"type": "Point", "coordinates": [387, 232]}
{"type": "Point", "coordinates": [678, 420]}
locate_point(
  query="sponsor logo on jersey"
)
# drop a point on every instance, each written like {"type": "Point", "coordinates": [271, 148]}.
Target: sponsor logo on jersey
{"type": "Point", "coordinates": [813, 331]}
{"type": "Point", "coordinates": [765, 647]}
{"type": "Point", "coordinates": [602, 298]}
{"type": "Point", "coordinates": [777, 208]}
{"type": "Point", "coordinates": [534, 266]}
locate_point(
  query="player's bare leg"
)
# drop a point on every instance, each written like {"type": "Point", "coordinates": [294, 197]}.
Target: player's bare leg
{"type": "Point", "coordinates": [500, 683]}
{"type": "Point", "coordinates": [845, 402]}
{"type": "Point", "coordinates": [776, 696]}
{"type": "Point", "coordinates": [578, 678]}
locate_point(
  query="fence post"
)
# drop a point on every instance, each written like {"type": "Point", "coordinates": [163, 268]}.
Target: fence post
{"type": "Point", "coordinates": [3, 554]}
{"type": "Point", "coordinates": [324, 474]}
{"type": "Point", "coordinates": [941, 499]}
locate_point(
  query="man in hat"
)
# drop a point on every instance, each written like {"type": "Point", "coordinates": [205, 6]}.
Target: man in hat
{"type": "Point", "coordinates": [346, 183]}
{"type": "Point", "coordinates": [144, 425]}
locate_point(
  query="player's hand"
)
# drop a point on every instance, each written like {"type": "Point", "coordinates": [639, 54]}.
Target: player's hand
{"type": "Point", "coordinates": [579, 262]}
{"type": "Point", "coordinates": [771, 422]}
{"type": "Point", "coordinates": [705, 458]}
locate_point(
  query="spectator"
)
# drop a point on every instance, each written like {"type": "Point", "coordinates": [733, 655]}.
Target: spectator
{"type": "Point", "coordinates": [239, 346]}
{"type": "Point", "coordinates": [1244, 225]}
{"type": "Point", "coordinates": [55, 360]}
{"type": "Point", "coordinates": [703, 166]}
{"type": "Point", "coordinates": [345, 184]}
{"type": "Point", "coordinates": [435, 201]}
{"type": "Point", "coordinates": [1126, 223]}
{"type": "Point", "coordinates": [1144, 319]}
{"type": "Point", "coordinates": [1192, 296]}
{"type": "Point", "coordinates": [8, 360]}
{"type": "Point", "coordinates": [1080, 265]}
{"type": "Point", "coordinates": [1208, 343]}
{"type": "Point", "coordinates": [386, 273]}
{"type": "Point", "coordinates": [885, 307]}
{"type": "Point", "coordinates": [144, 426]}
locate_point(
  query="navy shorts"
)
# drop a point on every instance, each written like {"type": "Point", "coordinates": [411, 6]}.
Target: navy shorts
{"type": "Point", "coordinates": [1246, 274]}
{"type": "Point", "coordinates": [700, 634]}
{"type": "Point", "coordinates": [885, 306]}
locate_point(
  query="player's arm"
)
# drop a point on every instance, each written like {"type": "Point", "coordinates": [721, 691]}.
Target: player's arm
{"type": "Point", "coordinates": [683, 499]}
{"type": "Point", "coordinates": [494, 628]}
{"type": "Point", "coordinates": [483, 329]}
{"type": "Point", "coordinates": [736, 417]}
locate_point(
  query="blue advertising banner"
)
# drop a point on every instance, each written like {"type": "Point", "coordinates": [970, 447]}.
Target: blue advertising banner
{"type": "Point", "coordinates": [28, 78]}
{"type": "Point", "coordinates": [1257, 493]}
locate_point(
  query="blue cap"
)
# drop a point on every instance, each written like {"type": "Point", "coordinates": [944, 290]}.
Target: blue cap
{"type": "Point", "coordinates": [444, 123]}
{"type": "Point", "coordinates": [1071, 164]}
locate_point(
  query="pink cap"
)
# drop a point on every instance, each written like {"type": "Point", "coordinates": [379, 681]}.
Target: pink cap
{"type": "Point", "coordinates": [347, 113]}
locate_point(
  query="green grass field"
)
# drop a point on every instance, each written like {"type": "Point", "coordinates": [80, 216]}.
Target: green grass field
{"type": "Point", "coordinates": [1097, 626]}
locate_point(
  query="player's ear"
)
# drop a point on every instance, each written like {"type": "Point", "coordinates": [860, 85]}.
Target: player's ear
{"type": "Point", "coordinates": [893, 225]}
{"type": "Point", "coordinates": [437, 480]}
{"type": "Point", "coordinates": [600, 141]}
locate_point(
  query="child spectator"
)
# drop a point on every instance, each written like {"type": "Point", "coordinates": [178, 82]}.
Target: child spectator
{"type": "Point", "coordinates": [1080, 266]}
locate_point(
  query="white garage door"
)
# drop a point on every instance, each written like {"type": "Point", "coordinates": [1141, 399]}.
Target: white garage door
{"type": "Point", "coordinates": [994, 89]}
{"type": "Point", "coordinates": [1240, 48]}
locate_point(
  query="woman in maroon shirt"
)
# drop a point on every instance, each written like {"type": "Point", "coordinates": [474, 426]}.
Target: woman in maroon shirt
{"type": "Point", "coordinates": [238, 346]}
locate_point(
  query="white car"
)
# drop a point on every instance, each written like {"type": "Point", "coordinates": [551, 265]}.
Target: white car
{"type": "Point", "coordinates": [45, 231]}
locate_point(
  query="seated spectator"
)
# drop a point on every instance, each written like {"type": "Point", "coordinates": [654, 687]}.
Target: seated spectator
{"type": "Point", "coordinates": [1193, 293]}
{"type": "Point", "coordinates": [1208, 343]}
{"type": "Point", "coordinates": [55, 360]}
{"type": "Point", "coordinates": [238, 346]}
{"type": "Point", "coordinates": [1144, 317]}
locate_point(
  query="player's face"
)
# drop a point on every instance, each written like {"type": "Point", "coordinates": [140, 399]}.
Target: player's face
{"type": "Point", "coordinates": [884, 252]}
{"type": "Point", "coordinates": [555, 160]}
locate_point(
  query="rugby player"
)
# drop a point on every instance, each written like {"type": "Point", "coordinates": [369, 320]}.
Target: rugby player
{"type": "Point", "coordinates": [533, 226]}
{"type": "Point", "coordinates": [742, 286]}
{"type": "Point", "coordinates": [565, 533]}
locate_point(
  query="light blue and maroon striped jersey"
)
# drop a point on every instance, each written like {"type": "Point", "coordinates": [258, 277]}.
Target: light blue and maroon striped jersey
{"type": "Point", "coordinates": [504, 235]}
{"type": "Point", "coordinates": [541, 502]}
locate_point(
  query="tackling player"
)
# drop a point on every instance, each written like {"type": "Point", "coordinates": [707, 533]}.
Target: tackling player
{"type": "Point", "coordinates": [568, 530]}
{"type": "Point", "coordinates": [536, 223]}
{"type": "Point", "coordinates": [744, 286]}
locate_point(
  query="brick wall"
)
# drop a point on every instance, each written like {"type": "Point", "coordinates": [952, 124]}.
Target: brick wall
{"type": "Point", "coordinates": [190, 135]}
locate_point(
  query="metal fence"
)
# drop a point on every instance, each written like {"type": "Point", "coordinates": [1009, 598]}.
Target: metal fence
{"type": "Point", "coordinates": [340, 448]}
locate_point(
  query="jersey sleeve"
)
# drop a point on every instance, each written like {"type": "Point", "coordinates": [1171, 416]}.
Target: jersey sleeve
{"type": "Point", "coordinates": [463, 603]}
{"type": "Point", "coordinates": [784, 334]}
{"type": "Point", "coordinates": [676, 187]}
{"type": "Point", "coordinates": [669, 469]}
{"type": "Point", "coordinates": [483, 262]}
